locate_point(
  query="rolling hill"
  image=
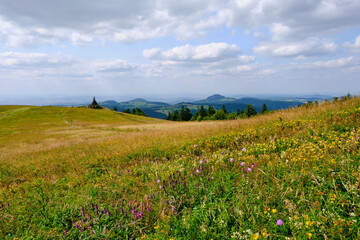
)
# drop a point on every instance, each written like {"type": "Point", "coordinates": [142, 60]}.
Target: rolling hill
{"type": "Point", "coordinates": [161, 109]}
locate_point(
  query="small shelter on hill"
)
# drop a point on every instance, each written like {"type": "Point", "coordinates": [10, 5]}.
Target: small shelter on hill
{"type": "Point", "coordinates": [94, 105]}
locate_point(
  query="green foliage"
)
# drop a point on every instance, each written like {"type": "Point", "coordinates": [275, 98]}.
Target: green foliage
{"type": "Point", "coordinates": [135, 111]}
{"type": "Point", "coordinates": [211, 111]}
{"type": "Point", "coordinates": [264, 109]}
{"type": "Point", "coordinates": [219, 115]}
{"type": "Point", "coordinates": [250, 111]}
{"type": "Point", "coordinates": [184, 115]}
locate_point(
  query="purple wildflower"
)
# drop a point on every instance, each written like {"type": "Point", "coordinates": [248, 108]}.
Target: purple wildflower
{"type": "Point", "coordinates": [158, 181]}
{"type": "Point", "coordinates": [244, 149]}
{"type": "Point", "coordinates": [279, 222]}
{"type": "Point", "coordinates": [231, 159]}
{"type": "Point", "coordinates": [249, 169]}
{"type": "Point", "coordinates": [242, 164]}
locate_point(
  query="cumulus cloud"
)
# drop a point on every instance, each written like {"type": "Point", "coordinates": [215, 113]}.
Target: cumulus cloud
{"type": "Point", "coordinates": [293, 19]}
{"type": "Point", "coordinates": [82, 21]}
{"type": "Point", "coordinates": [308, 48]}
{"type": "Point", "coordinates": [202, 53]}
{"type": "Point", "coordinates": [341, 62]}
{"type": "Point", "coordinates": [116, 66]}
{"type": "Point", "coordinates": [33, 60]}
{"type": "Point", "coordinates": [353, 46]}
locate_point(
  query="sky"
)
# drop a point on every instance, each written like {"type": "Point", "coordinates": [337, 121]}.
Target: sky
{"type": "Point", "coordinates": [178, 48]}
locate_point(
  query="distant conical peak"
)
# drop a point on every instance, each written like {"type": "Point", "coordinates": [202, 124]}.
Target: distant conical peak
{"type": "Point", "coordinates": [215, 97]}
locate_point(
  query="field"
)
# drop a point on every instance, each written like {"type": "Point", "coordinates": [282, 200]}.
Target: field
{"type": "Point", "coordinates": [75, 173]}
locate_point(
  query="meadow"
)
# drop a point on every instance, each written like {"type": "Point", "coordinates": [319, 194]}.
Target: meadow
{"type": "Point", "coordinates": [73, 173]}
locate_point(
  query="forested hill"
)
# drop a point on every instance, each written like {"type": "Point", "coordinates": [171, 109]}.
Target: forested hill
{"type": "Point", "coordinates": [161, 109]}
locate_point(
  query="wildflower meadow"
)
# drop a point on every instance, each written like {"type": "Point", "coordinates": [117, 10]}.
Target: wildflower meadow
{"type": "Point", "coordinates": [292, 174]}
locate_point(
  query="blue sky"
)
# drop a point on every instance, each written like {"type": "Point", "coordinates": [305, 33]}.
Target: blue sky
{"type": "Point", "coordinates": [178, 48]}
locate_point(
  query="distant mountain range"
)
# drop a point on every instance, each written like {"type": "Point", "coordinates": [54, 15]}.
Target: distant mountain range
{"type": "Point", "coordinates": [161, 109]}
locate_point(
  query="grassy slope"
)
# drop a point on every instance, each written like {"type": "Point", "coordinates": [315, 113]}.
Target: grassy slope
{"type": "Point", "coordinates": [304, 170]}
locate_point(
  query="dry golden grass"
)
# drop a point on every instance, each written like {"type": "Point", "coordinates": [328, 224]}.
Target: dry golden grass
{"type": "Point", "coordinates": [52, 142]}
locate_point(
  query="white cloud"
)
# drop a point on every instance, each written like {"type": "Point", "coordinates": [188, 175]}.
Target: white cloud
{"type": "Point", "coordinates": [116, 66]}
{"type": "Point", "coordinates": [341, 62]}
{"type": "Point", "coordinates": [293, 19]}
{"type": "Point", "coordinates": [335, 64]}
{"type": "Point", "coordinates": [78, 39]}
{"type": "Point", "coordinates": [33, 60]}
{"type": "Point", "coordinates": [353, 46]}
{"type": "Point", "coordinates": [202, 53]}
{"type": "Point", "coordinates": [308, 48]}
{"type": "Point", "coordinates": [25, 23]}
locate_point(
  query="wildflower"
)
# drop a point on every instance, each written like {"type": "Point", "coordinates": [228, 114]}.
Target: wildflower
{"type": "Point", "coordinates": [274, 210]}
{"type": "Point", "coordinates": [243, 175]}
{"type": "Point", "coordinates": [201, 161]}
{"type": "Point", "coordinates": [249, 169]}
{"type": "Point", "coordinates": [244, 149]}
{"type": "Point", "coordinates": [255, 236]}
{"type": "Point", "coordinates": [237, 139]}
{"type": "Point", "coordinates": [160, 186]}
{"type": "Point", "coordinates": [309, 235]}
{"type": "Point", "coordinates": [279, 222]}
{"type": "Point", "coordinates": [242, 164]}
{"type": "Point", "coordinates": [156, 227]}
{"type": "Point", "coordinates": [158, 181]}
{"type": "Point", "coordinates": [231, 159]}
{"type": "Point", "coordinates": [195, 145]}
{"type": "Point", "coordinates": [197, 170]}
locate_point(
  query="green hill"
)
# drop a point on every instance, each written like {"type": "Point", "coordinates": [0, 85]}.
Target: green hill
{"type": "Point", "coordinates": [161, 109]}
{"type": "Point", "coordinates": [290, 174]}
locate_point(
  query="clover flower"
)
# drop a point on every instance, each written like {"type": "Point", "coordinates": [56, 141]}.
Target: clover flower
{"type": "Point", "coordinates": [279, 222]}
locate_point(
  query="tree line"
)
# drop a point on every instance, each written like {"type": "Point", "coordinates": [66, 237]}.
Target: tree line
{"type": "Point", "coordinates": [136, 111]}
{"type": "Point", "coordinates": [203, 114]}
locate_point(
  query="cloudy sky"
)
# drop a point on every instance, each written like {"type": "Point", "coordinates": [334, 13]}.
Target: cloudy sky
{"type": "Point", "coordinates": [175, 47]}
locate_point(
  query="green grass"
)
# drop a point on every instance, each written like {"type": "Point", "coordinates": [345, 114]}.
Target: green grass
{"type": "Point", "coordinates": [214, 180]}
